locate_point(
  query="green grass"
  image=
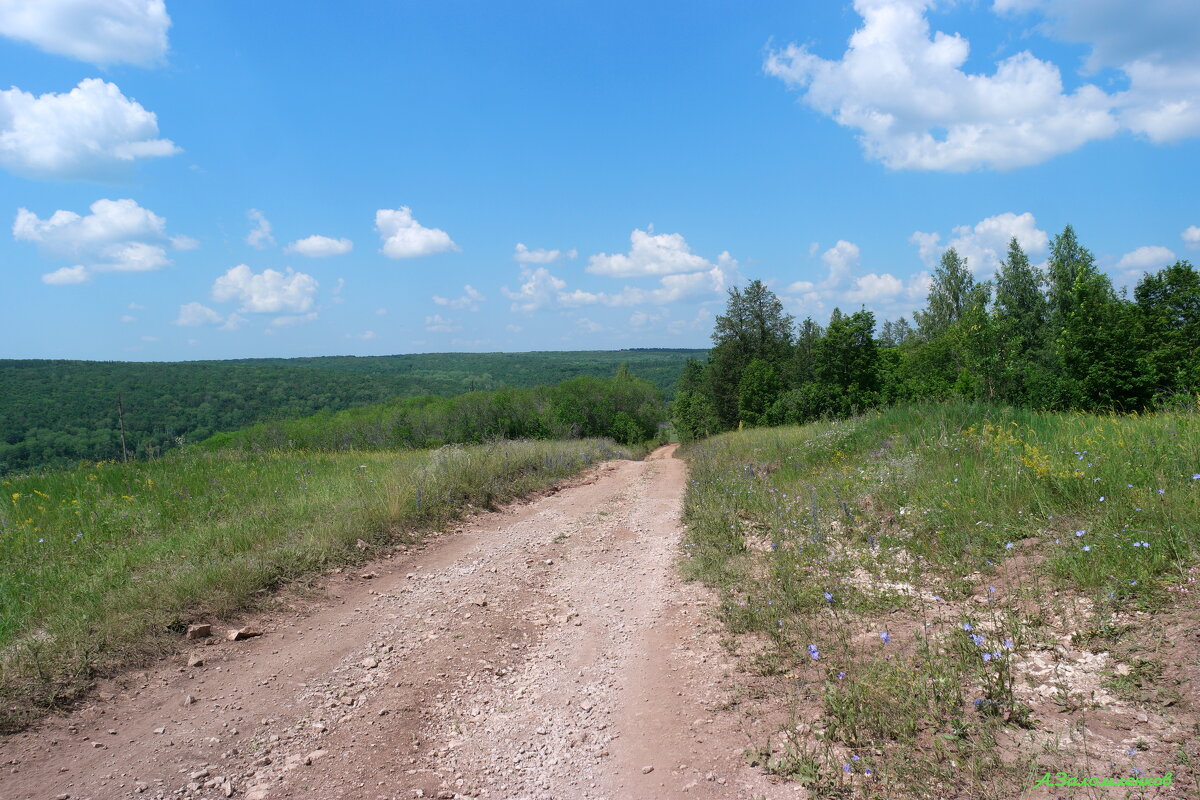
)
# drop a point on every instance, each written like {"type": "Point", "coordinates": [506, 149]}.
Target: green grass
{"type": "Point", "coordinates": [105, 564]}
{"type": "Point", "coordinates": [914, 522]}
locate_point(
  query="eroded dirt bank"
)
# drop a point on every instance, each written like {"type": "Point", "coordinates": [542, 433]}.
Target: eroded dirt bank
{"type": "Point", "coordinates": [548, 650]}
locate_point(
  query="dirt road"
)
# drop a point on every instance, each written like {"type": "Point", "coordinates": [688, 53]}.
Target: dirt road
{"type": "Point", "coordinates": [548, 650]}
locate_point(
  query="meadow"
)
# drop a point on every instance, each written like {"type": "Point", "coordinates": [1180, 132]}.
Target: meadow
{"type": "Point", "coordinates": [105, 565]}
{"type": "Point", "coordinates": [951, 600]}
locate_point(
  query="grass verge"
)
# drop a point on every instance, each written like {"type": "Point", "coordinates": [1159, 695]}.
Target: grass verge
{"type": "Point", "coordinates": [104, 565]}
{"type": "Point", "coordinates": [950, 596]}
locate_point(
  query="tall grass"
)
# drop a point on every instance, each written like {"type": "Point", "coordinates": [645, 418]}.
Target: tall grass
{"type": "Point", "coordinates": [898, 561]}
{"type": "Point", "coordinates": [104, 564]}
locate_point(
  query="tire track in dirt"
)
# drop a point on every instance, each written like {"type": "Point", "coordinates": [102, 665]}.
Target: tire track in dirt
{"type": "Point", "coordinates": [548, 650]}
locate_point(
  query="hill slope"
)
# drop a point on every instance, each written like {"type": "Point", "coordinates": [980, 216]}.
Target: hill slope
{"type": "Point", "coordinates": [59, 412]}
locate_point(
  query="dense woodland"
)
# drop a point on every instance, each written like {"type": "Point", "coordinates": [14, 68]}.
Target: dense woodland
{"type": "Point", "coordinates": [624, 408]}
{"type": "Point", "coordinates": [60, 412]}
{"type": "Point", "coordinates": [1059, 338]}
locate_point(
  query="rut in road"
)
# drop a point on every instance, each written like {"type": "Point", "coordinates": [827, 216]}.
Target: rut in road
{"type": "Point", "coordinates": [548, 650]}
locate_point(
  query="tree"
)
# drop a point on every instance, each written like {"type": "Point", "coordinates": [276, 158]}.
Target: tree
{"type": "Point", "coordinates": [754, 326]}
{"type": "Point", "coordinates": [847, 360]}
{"type": "Point", "coordinates": [948, 295]}
{"type": "Point", "coordinates": [757, 390]}
{"type": "Point", "coordinates": [1068, 261]}
{"type": "Point", "coordinates": [1020, 316]}
{"type": "Point", "coordinates": [804, 363]}
{"type": "Point", "coordinates": [895, 333]}
{"type": "Point", "coordinates": [1098, 347]}
{"type": "Point", "coordinates": [1168, 304]}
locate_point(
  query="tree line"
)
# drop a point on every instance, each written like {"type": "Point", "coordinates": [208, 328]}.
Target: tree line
{"type": "Point", "coordinates": [624, 408]}
{"type": "Point", "coordinates": [1058, 338]}
{"type": "Point", "coordinates": [56, 413]}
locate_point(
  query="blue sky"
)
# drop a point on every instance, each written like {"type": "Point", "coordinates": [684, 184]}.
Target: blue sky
{"type": "Point", "coordinates": [230, 179]}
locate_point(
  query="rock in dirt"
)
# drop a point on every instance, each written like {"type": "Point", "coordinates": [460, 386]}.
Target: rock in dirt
{"type": "Point", "coordinates": [646, 770]}
{"type": "Point", "coordinates": [198, 631]}
{"type": "Point", "coordinates": [238, 634]}
{"type": "Point", "coordinates": [195, 661]}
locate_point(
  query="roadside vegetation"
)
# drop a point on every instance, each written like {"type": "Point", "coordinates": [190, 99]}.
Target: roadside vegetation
{"type": "Point", "coordinates": [952, 599]}
{"type": "Point", "coordinates": [1056, 339]}
{"type": "Point", "coordinates": [105, 565]}
{"type": "Point", "coordinates": [626, 409]}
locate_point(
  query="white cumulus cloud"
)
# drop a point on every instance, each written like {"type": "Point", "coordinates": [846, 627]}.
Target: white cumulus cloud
{"type": "Point", "coordinates": [66, 275]}
{"type": "Point", "coordinates": [841, 260]}
{"type": "Point", "coordinates": [524, 255]}
{"type": "Point", "coordinates": [259, 236]}
{"type": "Point", "coordinates": [1153, 43]}
{"type": "Point", "coordinates": [117, 236]}
{"type": "Point", "coordinates": [266, 292]}
{"type": "Point", "coordinates": [649, 254]}
{"type": "Point", "coordinates": [90, 132]}
{"type": "Point", "coordinates": [436, 323]}
{"type": "Point", "coordinates": [320, 246]}
{"type": "Point", "coordinates": [904, 89]}
{"type": "Point", "coordinates": [404, 237]}
{"type": "Point", "coordinates": [98, 31]}
{"type": "Point", "coordinates": [195, 314]}
{"type": "Point", "coordinates": [539, 289]}
{"type": "Point", "coordinates": [1191, 236]}
{"type": "Point", "coordinates": [984, 244]}
{"type": "Point", "coordinates": [470, 299]}
{"type": "Point", "coordinates": [1146, 258]}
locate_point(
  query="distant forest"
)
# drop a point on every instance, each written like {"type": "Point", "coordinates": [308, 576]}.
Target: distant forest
{"type": "Point", "coordinates": [1056, 338]}
{"type": "Point", "coordinates": [54, 413]}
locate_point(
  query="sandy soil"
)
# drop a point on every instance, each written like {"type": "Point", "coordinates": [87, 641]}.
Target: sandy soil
{"type": "Point", "coordinates": [548, 650]}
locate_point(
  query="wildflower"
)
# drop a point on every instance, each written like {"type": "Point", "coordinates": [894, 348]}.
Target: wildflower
{"type": "Point", "coordinates": [867, 771]}
{"type": "Point", "coordinates": [41, 540]}
{"type": "Point", "coordinates": [841, 674]}
{"type": "Point", "coordinates": [991, 590]}
{"type": "Point", "coordinates": [885, 637]}
{"type": "Point", "coordinates": [967, 627]}
{"type": "Point", "coordinates": [1087, 549]}
{"type": "Point", "coordinates": [1008, 644]}
{"type": "Point", "coordinates": [1133, 583]}
{"type": "Point", "coordinates": [855, 758]}
{"type": "Point", "coordinates": [828, 597]}
{"type": "Point", "coordinates": [1080, 533]}
{"type": "Point", "coordinates": [1008, 546]}
{"type": "Point", "coordinates": [16, 495]}
{"type": "Point", "coordinates": [1162, 491]}
{"type": "Point", "coordinates": [987, 656]}
{"type": "Point", "coordinates": [845, 767]}
{"type": "Point", "coordinates": [1196, 476]}
{"type": "Point", "coordinates": [996, 654]}
{"type": "Point", "coordinates": [977, 639]}
{"type": "Point", "coordinates": [812, 651]}
{"type": "Point", "coordinates": [1101, 498]}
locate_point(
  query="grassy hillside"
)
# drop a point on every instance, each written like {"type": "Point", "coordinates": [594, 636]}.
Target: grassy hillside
{"type": "Point", "coordinates": [60, 412]}
{"type": "Point", "coordinates": [105, 565]}
{"type": "Point", "coordinates": [956, 599]}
